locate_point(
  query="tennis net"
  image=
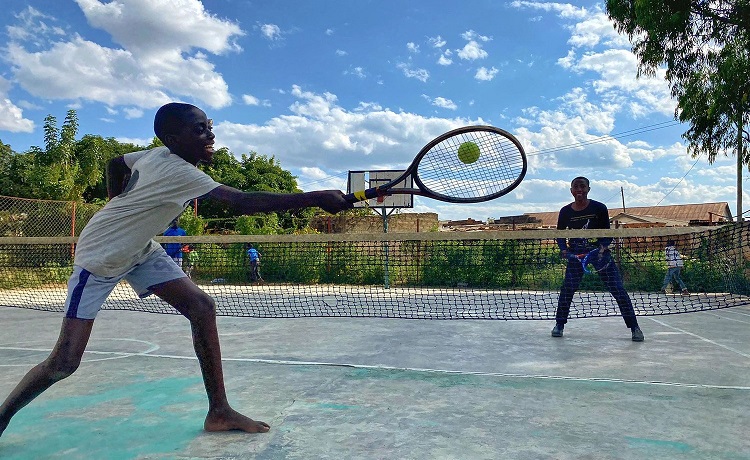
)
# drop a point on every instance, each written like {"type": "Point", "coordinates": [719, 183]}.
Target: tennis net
{"type": "Point", "coordinates": [439, 275]}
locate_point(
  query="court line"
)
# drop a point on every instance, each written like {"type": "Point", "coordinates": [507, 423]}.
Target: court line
{"type": "Point", "coordinates": [118, 354]}
{"type": "Point", "coordinates": [149, 354]}
{"type": "Point", "coordinates": [745, 355]}
{"type": "Point", "coordinates": [728, 318]}
{"type": "Point", "coordinates": [457, 372]}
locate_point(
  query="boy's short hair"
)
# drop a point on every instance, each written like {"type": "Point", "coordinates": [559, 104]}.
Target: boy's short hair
{"type": "Point", "coordinates": [582, 178]}
{"type": "Point", "coordinates": [670, 242]}
{"type": "Point", "coordinates": [170, 118]}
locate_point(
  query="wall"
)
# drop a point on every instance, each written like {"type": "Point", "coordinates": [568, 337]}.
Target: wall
{"type": "Point", "coordinates": [397, 223]}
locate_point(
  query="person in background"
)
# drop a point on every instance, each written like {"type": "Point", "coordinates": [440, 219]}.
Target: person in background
{"type": "Point", "coordinates": [674, 267]}
{"type": "Point", "coordinates": [190, 254]}
{"type": "Point", "coordinates": [174, 250]}
{"type": "Point", "coordinates": [254, 256]}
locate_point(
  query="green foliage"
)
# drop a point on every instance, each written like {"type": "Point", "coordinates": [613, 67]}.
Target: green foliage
{"type": "Point", "coordinates": [192, 224]}
{"type": "Point", "coordinates": [261, 224]}
{"type": "Point", "coordinates": [65, 169]}
{"type": "Point", "coordinates": [716, 103]}
{"type": "Point", "coordinates": [704, 46]}
{"type": "Point", "coordinates": [70, 170]}
{"type": "Point", "coordinates": [38, 265]}
{"type": "Point", "coordinates": [254, 173]}
{"type": "Point", "coordinates": [96, 153]}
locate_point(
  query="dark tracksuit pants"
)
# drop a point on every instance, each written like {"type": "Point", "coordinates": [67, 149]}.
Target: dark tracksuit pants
{"type": "Point", "coordinates": [611, 278]}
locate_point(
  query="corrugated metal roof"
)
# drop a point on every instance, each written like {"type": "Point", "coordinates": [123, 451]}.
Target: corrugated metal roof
{"type": "Point", "coordinates": [685, 213]}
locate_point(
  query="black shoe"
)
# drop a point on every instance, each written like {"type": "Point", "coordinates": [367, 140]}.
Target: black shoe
{"type": "Point", "coordinates": [557, 331]}
{"type": "Point", "coordinates": [637, 334]}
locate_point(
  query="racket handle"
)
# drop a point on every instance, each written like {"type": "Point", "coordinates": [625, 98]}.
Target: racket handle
{"type": "Point", "coordinates": [362, 195]}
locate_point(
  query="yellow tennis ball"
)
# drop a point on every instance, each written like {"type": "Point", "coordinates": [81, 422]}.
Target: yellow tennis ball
{"type": "Point", "coordinates": [468, 152]}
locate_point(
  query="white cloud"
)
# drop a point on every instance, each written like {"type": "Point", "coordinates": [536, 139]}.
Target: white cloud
{"type": "Point", "coordinates": [445, 59]}
{"type": "Point", "coordinates": [594, 30]}
{"type": "Point", "coordinates": [565, 10]}
{"type": "Point", "coordinates": [472, 51]}
{"type": "Point", "coordinates": [132, 112]}
{"type": "Point", "coordinates": [575, 136]}
{"type": "Point", "coordinates": [420, 74]}
{"type": "Point", "coordinates": [34, 27]}
{"type": "Point", "coordinates": [341, 53]}
{"type": "Point", "coordinates": [249, 99]}
{"type": "Point", "coordinates": [470, 35]}
{"type": "Point", "coordinates": [437, 42]}
{"type": "Point", "coordinates": [144, 72]}
{"type": "Point", "coordinates": [182, 25]}
{"type": "Point", "coordinates": [270, 31]}
{"type": "Point", "coordinates": [412, 47]}
{"type": "Point", "coordinates": [616, 81]}
{"type": "Point", "coordinates": [485, 74]}
{"type": "Point", "coordinates": [135, 140]}
{"type": "Point", "coordinates": [358, 72]}
{"type": "Point", "coordinates": [11, 115]}
{"type": "Point", "coordinates": [28, 105]}
{"type": "Point", "coordinates": [11, 118]}
{"type": "Point", "coordinates": [441, 102]}
{"type": "Point", "coordinates": [318, 126]}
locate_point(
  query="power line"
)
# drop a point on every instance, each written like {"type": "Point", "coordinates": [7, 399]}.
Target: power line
{"type": "Point", "coordinates": [628, 133]}
{"type": "Point", "coordinates": [597, 140]}
{"type": "Point", "coordinates": [680, 181]}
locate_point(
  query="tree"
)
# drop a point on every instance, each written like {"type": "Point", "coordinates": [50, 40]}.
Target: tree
{"type": "Point", "coordinates": [704, 46]}
{"type": "Point", "coordinates": [716, 105]}
{"type": "Point", "coordinates": [253, 173]}
{"type": "Point", "coordinates": [56, 171]}
{"type": "Point", "coordinates": [94, 165]}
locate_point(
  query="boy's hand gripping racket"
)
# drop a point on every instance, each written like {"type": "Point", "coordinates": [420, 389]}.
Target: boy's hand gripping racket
{"type": "Point", "coordinates": [467, 165]}
{"type": "Point", "coordinates": [598, 261]}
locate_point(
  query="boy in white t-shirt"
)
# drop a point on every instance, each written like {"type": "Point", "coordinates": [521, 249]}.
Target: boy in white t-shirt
{"type": "Point", "coordinates": [674, 267]}
{"type": "Point", "coordinates": [147, 190]}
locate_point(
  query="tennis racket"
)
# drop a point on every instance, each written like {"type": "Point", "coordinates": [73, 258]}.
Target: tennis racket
{"type": "Point", "coordinates": [593, 258]}
{"type": "Point", "coordinates": [467, 165]}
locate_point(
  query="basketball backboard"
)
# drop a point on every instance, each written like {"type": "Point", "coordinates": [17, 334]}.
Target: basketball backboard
{"type": "Point", "coordinates": [362, 180]}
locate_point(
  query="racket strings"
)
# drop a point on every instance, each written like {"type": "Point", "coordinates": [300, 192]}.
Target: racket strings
{"type": "Point", "coordinates": [498, 167]}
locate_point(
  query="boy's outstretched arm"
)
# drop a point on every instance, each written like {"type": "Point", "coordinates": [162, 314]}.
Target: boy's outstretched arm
{"type": "Point", "coordinates": [118, 175]}
{"type": "Point", "coordinates": [252, 202]}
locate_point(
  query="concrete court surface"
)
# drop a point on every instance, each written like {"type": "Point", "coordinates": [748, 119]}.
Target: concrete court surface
{"type": "Point", "coordinates": [344, 388]}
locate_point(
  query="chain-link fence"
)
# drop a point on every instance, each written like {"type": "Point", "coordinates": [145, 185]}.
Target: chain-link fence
{"type": "Point", "coordinates": [30, 217]}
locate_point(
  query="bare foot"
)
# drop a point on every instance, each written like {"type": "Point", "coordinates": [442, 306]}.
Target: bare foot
{"type": "Point", "coordinates": [229, 419]}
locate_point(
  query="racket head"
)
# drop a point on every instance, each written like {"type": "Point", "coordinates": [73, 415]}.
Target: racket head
{"type": "Point", "coordinates": [598, 263]}
{"type": "Point", "coordinates": [440, 174]}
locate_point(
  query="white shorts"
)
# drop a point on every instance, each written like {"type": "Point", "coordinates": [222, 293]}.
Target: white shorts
{"type": "Point", "coordinates": [87, 292]}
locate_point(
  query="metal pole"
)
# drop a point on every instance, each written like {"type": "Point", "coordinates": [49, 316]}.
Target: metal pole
{"type": "Point", "coordinates": [740, 155]}
{"type": "Point", "coordinates": [386, 280]}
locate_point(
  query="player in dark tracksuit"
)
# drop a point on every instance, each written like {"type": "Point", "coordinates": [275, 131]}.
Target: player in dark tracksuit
{"type": "Point", "coordinates": [584, 213]}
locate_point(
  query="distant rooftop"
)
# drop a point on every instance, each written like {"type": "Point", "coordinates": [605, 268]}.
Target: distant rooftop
{"type": "Point", "coordinates": [672, 215]}
{"type": "Point", "coordinates": [679, 215]}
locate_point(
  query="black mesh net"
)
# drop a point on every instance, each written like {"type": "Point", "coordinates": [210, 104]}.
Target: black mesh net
{"type": "Point", "coordinates": [449, 275]}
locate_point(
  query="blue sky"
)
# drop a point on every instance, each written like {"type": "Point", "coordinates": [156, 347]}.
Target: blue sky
{"type": "Point", "coordinates": [331, 86]}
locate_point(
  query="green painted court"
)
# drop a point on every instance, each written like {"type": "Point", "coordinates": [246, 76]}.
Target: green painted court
{"type": "Point", "coordinates": [364, 388]}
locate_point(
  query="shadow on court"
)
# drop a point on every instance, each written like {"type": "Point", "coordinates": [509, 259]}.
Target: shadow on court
{"type": "Point", "coordinates": [346, 388]}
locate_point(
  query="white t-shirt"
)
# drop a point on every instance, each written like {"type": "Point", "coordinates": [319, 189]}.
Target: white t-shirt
{"type": "Point", "coordinates": [120, 235]}
{"type": "Point", "coordinates": [673, 257]}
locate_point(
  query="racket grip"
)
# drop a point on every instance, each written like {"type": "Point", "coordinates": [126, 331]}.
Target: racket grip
{"type": "Point", "coordinates": [362, 195]}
